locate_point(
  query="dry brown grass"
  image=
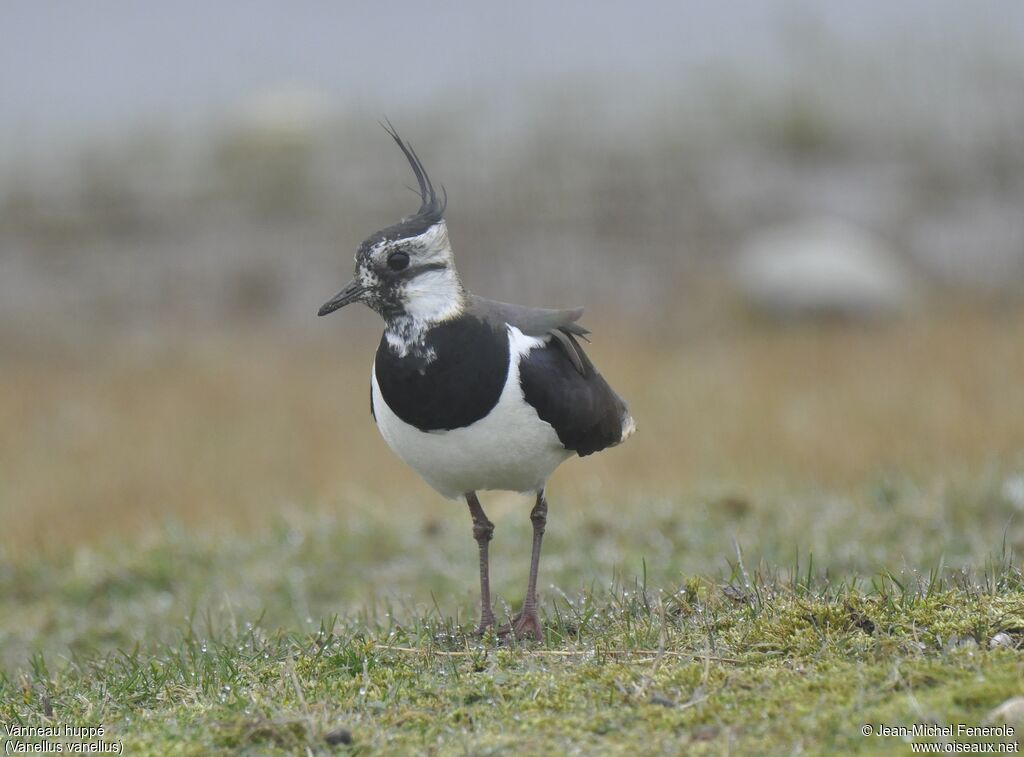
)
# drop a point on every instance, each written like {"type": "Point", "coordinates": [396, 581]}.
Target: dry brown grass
{"type": "Point", "coordinates": [110, 441]}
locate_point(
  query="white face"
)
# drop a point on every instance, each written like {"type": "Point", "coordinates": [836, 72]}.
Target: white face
{"type": "Point", "coordinates": [412, 276]}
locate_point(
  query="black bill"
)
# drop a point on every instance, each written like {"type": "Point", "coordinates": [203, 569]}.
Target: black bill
{"type": "Point", "coordinates": [352, 292]}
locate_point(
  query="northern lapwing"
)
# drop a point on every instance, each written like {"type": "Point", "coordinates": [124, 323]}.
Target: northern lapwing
{"type": "Point", "coordinates": [475, 394]}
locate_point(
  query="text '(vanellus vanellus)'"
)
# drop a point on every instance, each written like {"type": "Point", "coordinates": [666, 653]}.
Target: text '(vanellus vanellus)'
{"type": "Point", "coordinates": [475, 394]}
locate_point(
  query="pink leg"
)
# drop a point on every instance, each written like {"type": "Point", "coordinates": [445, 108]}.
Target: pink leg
{"type": "Point", "coordinates": [483, 531]}
{"type": "Point", "coordinates": [527, 622]}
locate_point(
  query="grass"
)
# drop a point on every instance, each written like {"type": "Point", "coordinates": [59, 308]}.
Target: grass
{"type": "Point", "coordinates": [196, 646]}
{"type": "Point", "coordinates": [206, 548]}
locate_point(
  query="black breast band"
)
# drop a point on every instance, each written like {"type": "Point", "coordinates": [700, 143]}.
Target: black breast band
{"type": "Point", "coordinates": [458, 387]}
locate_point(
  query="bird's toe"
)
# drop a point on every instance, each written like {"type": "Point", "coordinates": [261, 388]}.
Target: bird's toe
{"type": "Point", "coordinates": [525, 625]}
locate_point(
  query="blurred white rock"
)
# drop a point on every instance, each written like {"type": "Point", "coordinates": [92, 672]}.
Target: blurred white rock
{"type": "Point", "coordinates": [1011, 712]}
{"type": "Point", "coordinates": [1013, 490]}
{"type": "Point", "coordinates": [284, 113]}
{"type": "Point", "coordinates": [821, 268]}
{"type": "Point", "coordinates": [1001, 640]}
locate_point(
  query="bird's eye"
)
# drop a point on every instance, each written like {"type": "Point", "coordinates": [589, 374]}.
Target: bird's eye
{"type": "Point", "coordinates": [398, 260]}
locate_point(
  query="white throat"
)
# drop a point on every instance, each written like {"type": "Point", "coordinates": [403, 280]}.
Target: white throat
{"type": "Point", "coordinates": [434, 296]}
{"type": "Point", "coordinates": [430, 298]}
{"type": "Point", "coordinates": [407, 336]}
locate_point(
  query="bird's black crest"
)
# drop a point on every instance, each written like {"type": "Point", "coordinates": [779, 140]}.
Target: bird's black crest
{"type": "Point", "coordinates": [432, 207]}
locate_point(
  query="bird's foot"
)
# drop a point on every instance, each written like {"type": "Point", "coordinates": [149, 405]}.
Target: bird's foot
{"type": "Point", "coordinates": [486, 624]}
{"type": "Point", "coordinates": [525, 625]}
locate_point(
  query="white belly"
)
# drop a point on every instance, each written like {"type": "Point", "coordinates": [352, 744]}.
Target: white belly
{"type": "Point", "coordinates": [510, 448]}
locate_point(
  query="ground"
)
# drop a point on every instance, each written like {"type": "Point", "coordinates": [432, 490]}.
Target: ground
{"type": "Point", "coordinates": [821, 535]}
{"type": "Point", "coordinates": [758, 661]}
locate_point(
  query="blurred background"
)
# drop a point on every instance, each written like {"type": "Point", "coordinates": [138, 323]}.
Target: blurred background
{"type": "Point", "coordinates": [797, 229]}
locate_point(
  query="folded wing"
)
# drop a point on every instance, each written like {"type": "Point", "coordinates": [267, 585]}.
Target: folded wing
{"type": "Point", "coordinates": [560, 381]}
{"type": "Point", "coordinates": [559, 324]}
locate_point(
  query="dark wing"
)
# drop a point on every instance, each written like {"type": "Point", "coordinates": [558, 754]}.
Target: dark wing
{"type": "Point", "coordinates": [558, 379]}
{"type": "Point", "coordinates": [560, 324]}
{"type": "Point", "coordinates": [585, 412]}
